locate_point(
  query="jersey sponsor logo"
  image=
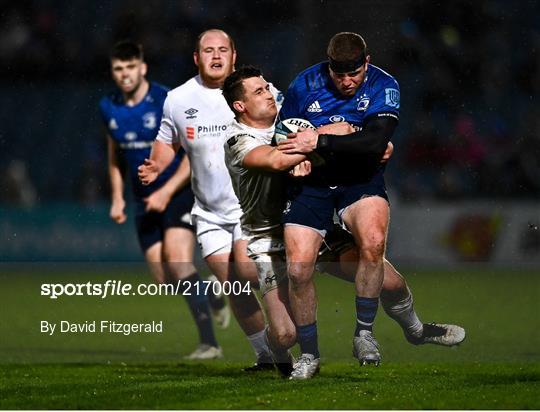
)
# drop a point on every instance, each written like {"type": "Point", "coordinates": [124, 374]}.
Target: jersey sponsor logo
{"type": "Point", "coordinates": [112, 124]}
{"type": "Point", "coordinates": [391, 97]}
{"type": "Point", "coordinates": [213, 128]}
{"type": "Point", "coordinates": [314, 107]}
{"type": "Point", "coordinates": [205, 131]}
{"type": "Point", "coordinates": [190, 132]}
{"type": "Point", "coordinates": [130, 136]}
{"type": "Point", "coordinates": [135, 145]}
{"type": "Point", "coordinates": [149, 120]}
{"type": "Point", "coordinates": [363, 103]}
{"type": "Point", "coordinates": [337, 118]}
{"type": "Point", "coordinates": [191, 113]}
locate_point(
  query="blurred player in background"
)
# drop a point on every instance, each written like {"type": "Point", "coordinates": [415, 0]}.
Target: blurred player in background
{"type": "Point", "coordinates": [254, 163]}
{"type": "Point", "coordinates": [346, 88]}
{"type": "Point", "coordinates": [196, 118]}
{"type": "Point", "coordinates": [162, 209]}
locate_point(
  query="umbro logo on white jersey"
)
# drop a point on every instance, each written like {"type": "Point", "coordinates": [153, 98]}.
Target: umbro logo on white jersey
{"type": "Point", "coordinates": [314, 107]}
{"type": "Point", "coordinates": [191, 113]}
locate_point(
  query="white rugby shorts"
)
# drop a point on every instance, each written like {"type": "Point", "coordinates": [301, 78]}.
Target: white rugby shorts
{"type": "Point", "coordinates": [214, 238]}
{"type": "Point", "coordinates": [268, 252]}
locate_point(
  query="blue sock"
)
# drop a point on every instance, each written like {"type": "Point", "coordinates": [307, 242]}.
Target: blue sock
{"type": "Point", "coordinates": [307, 339]}
{"type": "Point", "coordinates": [366, 309]}
{"type": "Point", "coordinates": [200, 309]}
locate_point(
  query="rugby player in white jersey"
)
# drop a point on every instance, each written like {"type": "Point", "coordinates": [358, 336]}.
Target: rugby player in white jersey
{"type": "Point", "coordinates": [196, 117]}
{"type": "Point", "coordinates": [252, 161]}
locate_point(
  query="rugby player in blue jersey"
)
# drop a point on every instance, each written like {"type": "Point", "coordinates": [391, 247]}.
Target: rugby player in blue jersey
{"type": "Point", "coordinates": [346, 88]}
{"type": "Point", "coordinates": [132, 116]}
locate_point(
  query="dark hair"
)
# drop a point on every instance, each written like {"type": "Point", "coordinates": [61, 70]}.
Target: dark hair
{"type": "Point", "coordinates": [233, 89]}
{"type": "Point", "coordinates": [127, 50]}
{"type": "Point", "coordinates": [200, 36]}
{"type": "Point", "coordinates": [346, 52]}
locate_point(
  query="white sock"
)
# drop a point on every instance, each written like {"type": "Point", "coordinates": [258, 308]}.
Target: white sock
{"type": "Point", "coordinates": [258, 342]}
{"type": "Point", "coordinates": [403, 313]}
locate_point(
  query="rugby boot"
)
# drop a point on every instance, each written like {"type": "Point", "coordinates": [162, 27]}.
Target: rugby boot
{"type": "Point", "coordinates": [438, 334]}
{"type": "Point", "coordinates": [366, 349]}
{"type": "Point", "coordinates": [305, 367]}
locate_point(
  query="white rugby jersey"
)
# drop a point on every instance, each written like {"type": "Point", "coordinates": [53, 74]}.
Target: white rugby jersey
{"type": "Point", "coordinates": [262, 194]}
{"type": "Point", "coordinates": [198, 117]}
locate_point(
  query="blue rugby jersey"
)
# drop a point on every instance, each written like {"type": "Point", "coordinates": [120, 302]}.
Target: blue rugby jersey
{"type": "Point", "coordinates": [134, 129]}
{"type": "Point", "coordinates": [313, 96]}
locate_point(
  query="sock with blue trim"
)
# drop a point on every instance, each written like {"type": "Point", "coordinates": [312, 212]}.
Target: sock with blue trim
{"type": "Point", "coordinates": [306, 336]}
{"type": "Point", "coordinates": [366, 309]}
{"type": "Point", "coordinates": [200, 309]}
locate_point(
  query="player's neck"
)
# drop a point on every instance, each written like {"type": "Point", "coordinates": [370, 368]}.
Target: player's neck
{"type": "Point", "coordinates": [137, 95]}
{"type": "Point", "coordinates": [257, 124]}
{"type": "Point", "coordinates": [211, 83]}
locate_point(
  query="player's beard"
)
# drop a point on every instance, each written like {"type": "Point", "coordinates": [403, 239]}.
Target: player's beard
{"type": "Point", "coordinates": [212, 76]}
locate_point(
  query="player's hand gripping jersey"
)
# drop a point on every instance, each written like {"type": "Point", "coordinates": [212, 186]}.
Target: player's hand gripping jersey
{"type": "Point", "coordinates": [313, 96]}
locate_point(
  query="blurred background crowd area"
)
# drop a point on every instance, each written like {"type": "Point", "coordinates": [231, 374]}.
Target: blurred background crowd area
{"type": "Point", "coordinates": [469, 73]}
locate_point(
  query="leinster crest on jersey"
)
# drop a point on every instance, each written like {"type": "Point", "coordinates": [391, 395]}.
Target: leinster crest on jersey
{"type": "Point", "coordinates": [149, 120]}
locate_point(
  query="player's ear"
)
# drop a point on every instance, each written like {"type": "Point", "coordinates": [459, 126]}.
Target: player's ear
{"type": "Point", "coordinates": [144, 68]}
{"type": "Point", "coordinates": [239, 106]}
{"type": "Point", "coordinates": [234, 57]}
{"type": "Point", "coordinates": [368, 58]}
{"type": "Point", "coordinates": [196, 58]}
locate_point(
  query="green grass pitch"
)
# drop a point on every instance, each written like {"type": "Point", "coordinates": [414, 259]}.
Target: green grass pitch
{"type": "Point", "coordinates": [497, 367]}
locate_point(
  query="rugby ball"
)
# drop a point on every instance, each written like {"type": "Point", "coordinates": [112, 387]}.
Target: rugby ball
{"type": "Point", "coordinates": [292, 125]}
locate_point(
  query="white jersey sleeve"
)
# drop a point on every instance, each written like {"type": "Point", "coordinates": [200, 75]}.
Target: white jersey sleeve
{"type": "Point", "coordinates": [168, 133]}
{"type": "Point", "coordinates": [243, 144]}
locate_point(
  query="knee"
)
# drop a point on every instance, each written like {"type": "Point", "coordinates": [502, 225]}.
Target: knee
{"type": "Point", "coordinates": [373, 246]}
{"type": "Point", "coordinates": [299, 273]}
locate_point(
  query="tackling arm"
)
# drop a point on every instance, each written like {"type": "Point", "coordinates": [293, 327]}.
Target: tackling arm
{"type": "Point", "coordinates": [373, 139]}
{"type": "Point", "coordinates": [269, 158]}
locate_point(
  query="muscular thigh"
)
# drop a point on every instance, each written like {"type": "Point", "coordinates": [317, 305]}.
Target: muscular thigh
{"type": "Point", "coordinates": [302, 244]}
{"type": "Point", "coordinates": [367, 219]}
{"type": "Point", "coordinates": [178, 244]}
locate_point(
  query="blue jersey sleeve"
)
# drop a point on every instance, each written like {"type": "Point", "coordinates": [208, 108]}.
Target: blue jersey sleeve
{"type": "Point", "coordinates": [385, 98]}
{"type": "Point", "coordinates": [292, 104]}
